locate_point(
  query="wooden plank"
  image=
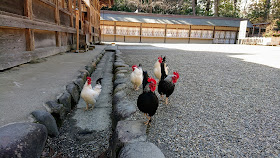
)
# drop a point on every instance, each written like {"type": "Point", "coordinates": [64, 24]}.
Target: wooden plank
{"type": "Point", "coordinates": [20, 57]}
{"type": "Point", "coordinates": [16, 22]}
{"type": "Point", "coordinates": [12, 6]}
{"type": "Point", "coordinates": [43, 11]}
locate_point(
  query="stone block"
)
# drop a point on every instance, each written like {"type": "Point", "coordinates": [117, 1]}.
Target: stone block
{"type": "Point", "coordinates": [124, 109]}
{"type": "Point", "coordinates": [22, 140]}
{"type": "Point", "coordinates": [45, 118]}
{"type": "Point", "coordinates": [141, 149]}
{"type": "Point", "coordinates": [57, 110]}
{"type": "Point", "coordinates": [65, 100]}
{"type": "Point", "coordinates": [118, 97]}
{"type": "Point", "coordinates": [131, 131]}
{"type": "Point", "coordinates": [74, 91]}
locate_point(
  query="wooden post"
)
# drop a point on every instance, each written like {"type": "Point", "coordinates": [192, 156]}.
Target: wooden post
{"type": "Point", "coordinates": [259, 34]}
{"type": "Point", "coordinates": [63, 4]}
{"type": "Point", "coordinates": [58, 38]}
{"type": "Point", "coordinates": [28, 9]}
{"type": "Point", "coordinates": [214, 30]}
{"type": "Point", "coordinates": [190, 31]}
{"type": "Point", "coordinates": [77, 29]}
{"type": "Point", "coordinates": [236, 36]}
{"type": "Point", "coordinates": [29, 33]}
{"type": "Point", "coordinates": [29, 36]}
{"type": "Point", "coordinates": [115, 31]}
{"type": "Point", "coordinates": [89, 21]}
{"type": "Point", "coordinates": [165, 31]}
{"type": "Point", "coordinates": [80, 14]}
{"type": "Point", "coordinates": [71, 11]}
{"type": "Point", "coordinates": [253, 31]}
{"type": "Point", "coordinates": [140, 32]}
{"type": "Point", "coordinates": [57, 21]}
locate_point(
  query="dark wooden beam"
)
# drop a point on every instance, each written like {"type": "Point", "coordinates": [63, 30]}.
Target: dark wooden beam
{"type": "Point", "coordinates": [17, 22]}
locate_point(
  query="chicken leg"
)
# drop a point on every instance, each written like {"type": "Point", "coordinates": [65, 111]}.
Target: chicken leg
{"type": "Point", "coordinates": [86, 107]}
{"type": "Point", "coordinates": [92, 106]}
{"type": "Point", "coordinates": [166, 100]}
{"type": "Point", "coordinates": [149, 118]}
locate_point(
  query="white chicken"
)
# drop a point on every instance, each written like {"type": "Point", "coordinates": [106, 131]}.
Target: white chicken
{"type": "Point", "coordinates": [136, 77]}
{"type": "Point", "coordinates": [90, 95]}
{"type": "Point", "coordinates": [157, 69]}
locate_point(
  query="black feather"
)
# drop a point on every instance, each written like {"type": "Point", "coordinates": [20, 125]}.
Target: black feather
{"type": "Point", "coordinates": [165, 87]}
{"type": "Point", "coordinates": [99, 81]}
{"type": "Point", "coordinates": [147, 102]}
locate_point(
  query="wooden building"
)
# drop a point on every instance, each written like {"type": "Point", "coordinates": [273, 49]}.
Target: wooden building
{"type": "Point", "coordinates": [158, 28]}
{"type": "Point", "coordinates": [31, 29]}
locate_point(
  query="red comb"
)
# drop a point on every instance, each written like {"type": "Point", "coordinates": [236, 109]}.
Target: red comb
{"type": "Point", "coordinates": [88, 78]}
{"type": "Point", "coordinates": [152, 80]}
{"type": "Point", "coordinates": [133, 67]}
{"type": "Point", "coordinates": [176, 74]}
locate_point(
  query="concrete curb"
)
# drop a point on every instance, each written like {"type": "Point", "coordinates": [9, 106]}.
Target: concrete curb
{"type": "Point", "coordinates": [129, 136]}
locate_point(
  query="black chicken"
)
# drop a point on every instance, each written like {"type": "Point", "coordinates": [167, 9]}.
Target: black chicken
{"type": "Point", "coordinates": [147, 102]}
{"type": "Point", "coordinates": [166, 84]}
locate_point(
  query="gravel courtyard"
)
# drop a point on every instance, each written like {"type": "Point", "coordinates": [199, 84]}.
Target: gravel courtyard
{"type": "Point", "coordinates": [226, 101]}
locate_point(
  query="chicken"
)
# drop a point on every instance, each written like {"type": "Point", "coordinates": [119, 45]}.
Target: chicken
{"type": "Point", "coordinates": [157, 69]}
{"type": "Point", "coordinates": [136, 77]}
{"type": "Point", "coordinates": [147, 102]}
{"type": "Point", "coordinates": [90, 95]}
{"type": "Point", "coordinates": [166, 85]}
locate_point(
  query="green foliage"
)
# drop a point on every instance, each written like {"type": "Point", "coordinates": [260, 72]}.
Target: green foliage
{"type": "Point", "coordinates": [257, 12]}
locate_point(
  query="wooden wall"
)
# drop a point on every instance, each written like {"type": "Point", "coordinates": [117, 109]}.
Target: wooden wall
{"type": "Point", "coordinates": [133, 32]}
{"type": "Point", "coordinates": [31, 29]}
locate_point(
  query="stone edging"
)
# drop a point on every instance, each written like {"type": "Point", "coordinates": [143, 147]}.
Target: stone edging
{"type": "Point", "coordinates": [129, 138]}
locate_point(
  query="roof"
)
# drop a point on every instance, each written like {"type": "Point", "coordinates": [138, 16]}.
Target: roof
{"type": "Point", "coordinates": [170, 19]}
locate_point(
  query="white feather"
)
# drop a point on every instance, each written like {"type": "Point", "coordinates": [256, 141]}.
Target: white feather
{"type": "Point", "coordinates": [90, 95]}
{"type": "Point", "coordinates": [136, 77]}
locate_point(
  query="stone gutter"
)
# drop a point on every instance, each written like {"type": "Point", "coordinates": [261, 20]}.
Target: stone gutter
{"type": "Point", "coordinates": [129, 139]}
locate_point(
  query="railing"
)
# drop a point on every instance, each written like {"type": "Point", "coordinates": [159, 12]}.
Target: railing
{"type": "Point", "coordinates": [255, 41]}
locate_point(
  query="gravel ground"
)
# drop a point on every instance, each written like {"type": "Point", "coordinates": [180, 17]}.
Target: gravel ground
{"type": "Point", "coordinates": [221, 106]}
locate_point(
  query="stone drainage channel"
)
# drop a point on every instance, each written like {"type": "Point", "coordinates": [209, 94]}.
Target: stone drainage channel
{"type": "Point", "coordinates": [100, 132]}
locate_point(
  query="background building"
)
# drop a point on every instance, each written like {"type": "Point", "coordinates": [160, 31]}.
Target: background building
{"type": "Point", "coordinates": [158, 28]}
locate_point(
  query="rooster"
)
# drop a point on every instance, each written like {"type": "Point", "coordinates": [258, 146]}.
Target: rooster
{"type": "Point", "coordinates": [90, 95]}
{"type": "Point", "coordinates": [136, 77]}
{"type": "Point", "coordinates": [147, 102]}
{"type": "Point", "coordinates": [166, 85]}
{"type": "Point", "coordinates": [157, 68]}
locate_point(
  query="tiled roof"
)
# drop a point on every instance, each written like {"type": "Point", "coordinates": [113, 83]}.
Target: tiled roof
{"type": "Point", "coordinates": [170, 19]}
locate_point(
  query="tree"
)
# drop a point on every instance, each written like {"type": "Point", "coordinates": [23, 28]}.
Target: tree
{"type": "Point", "coordinates": [216, 8]}
{"type": "Point", "coordinates": [208, 2]}
{"type": "Point", "coordinates": [194, 3]}
{"type": "Point", "coordinates": [267, 9]}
